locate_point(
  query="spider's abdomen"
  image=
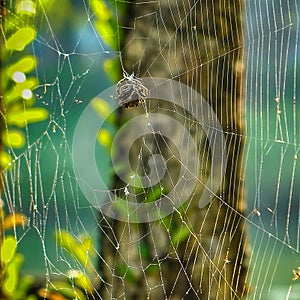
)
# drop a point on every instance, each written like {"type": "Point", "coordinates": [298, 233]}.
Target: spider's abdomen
{"type": "Point", "coordinates": [131, 92]}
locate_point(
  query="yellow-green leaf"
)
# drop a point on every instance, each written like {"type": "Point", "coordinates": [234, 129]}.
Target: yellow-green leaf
{"type": "Point", "coordinates": [25, 65]}
{"type": "Point", "coordinates": [25, 283]}
{"type": "Point", "coordinates": [101, 10]}
{"type": "Point", "coordinates": [26, 7]}
{"type": "Point", "coordinates": [58, 288]}
{"type": "Point", "coordinates": [112, 69]}
{"type": "Point", "coordinates": [83, 282]}
{"type": "Point", "coordinates": [107, 33]}
{"type": "Point", "coordinates": [21, 38]}
{"type": "Point", "coordinates": [69, 243]}
{"type": "Point", "coordinates": [66, 240]}
{"type": "Point", "coordinates": [29, 115]}
{"type": "Point", "coordinates": [103, 109]}
{"type": "Point", "coordinates": [8, 249]}
{"type": "Point", "coordinates": [104, 138]}
{"type": "Point", "coordinates": [5, 160]}
{"type": "Point", "coordinates": [11, 279]}
{"type": "Point", "coordinates": [14, 138]}
{"type": "Point", "coordinates": [87, 243]}
{"type": "Point", "coordinates": [18, 90]}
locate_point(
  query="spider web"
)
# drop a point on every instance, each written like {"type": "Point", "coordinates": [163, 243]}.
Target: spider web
{"type": "Point", "coordinates": [43, 185]}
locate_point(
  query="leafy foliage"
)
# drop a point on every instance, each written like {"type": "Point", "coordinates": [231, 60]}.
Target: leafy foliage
{"type": "Point", "coordinates": [17, 111]}
{"type": "Point", "coordinates": [14, 286]}
{"type": "Point", "coordinates": [17, 84]}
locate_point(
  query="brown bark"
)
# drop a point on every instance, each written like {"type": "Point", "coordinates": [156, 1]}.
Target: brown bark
{"type": "Point", "coordinates": [200, 44]}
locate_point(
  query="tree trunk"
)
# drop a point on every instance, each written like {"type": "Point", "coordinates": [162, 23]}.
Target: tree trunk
{"type": "Point", "coordinates": [198, 43]}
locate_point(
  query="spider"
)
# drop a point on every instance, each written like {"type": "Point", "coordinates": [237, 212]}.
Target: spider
{"type": "Point", "coordinates": [130, 91]}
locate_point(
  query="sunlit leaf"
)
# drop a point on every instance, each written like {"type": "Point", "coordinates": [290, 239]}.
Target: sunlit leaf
{"type": "Point", "coordinates": [8, 249]}
{"type": "Point", "coordinates": [107, 33]}
{"type": "Point", "coordinates": [17, 91]}
{"type": "Point", "coordinates": [25, 65]}
{"type": "Point", "coordinates": [30, 115]}
{"type": "Point", "coordinates": [66, 240]}
{"type": "Point", "coordinates": [81, 280]}
{"type": "Point", "coordinates": [5, 160]}
{"type": "Point", "coordinates": [11, 280]}
{"type": "Point", "coordinates": [65, 289]}
{"type": "Point", "coordinates": [84, 283]}
{"type": "Point", "coordinates": [69, 243]}
{"type": "Point", "coordinates": [20, 39]}
{"type": "Point", "coordinates": [87, 243]}
{"type": "Point", "coordinates": [112, 68]}
{"type": "Point", "coordinates": [26, 7]}
{"type": "Point", "coordinates": [13, 220]}
{"type": "Point", "coordinates": [13, 138]}
{"type": "Point", "coordinates": [104, 110]}
{"type": "Point", "coordinates": [104, 138]}
{"type": "Point", "coordinates": [101, 107]}
{"type": "Point", "coordinates": [101, 10]}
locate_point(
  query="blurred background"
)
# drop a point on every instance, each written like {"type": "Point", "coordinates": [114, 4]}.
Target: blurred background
{"type": "Point", "coordinates": [71, 71]}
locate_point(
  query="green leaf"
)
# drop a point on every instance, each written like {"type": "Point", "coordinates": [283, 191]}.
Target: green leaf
{"type": "Point", "coordinates": [67, 290]}
{"type": "Point", "coordinates": [8, 249]}
{"type": "Point", "coordinates": [5, 160]}
{"type": "Point", "coordinates": [20, 39]}
{"type": "Point", "coordinates": [101, 10]}
{"type": "Point", "coordinates": [129, 275]}
{"type": "Point", "coordinates": [78, 250]}
{"type": "Point", "coordinates": [17, 91]}
{"type": "Point", "coordinates": [31, 297]}
{"type": "Point", "coordinates": [66, 240]}
{"type": "Point", "coordinates": [113, 69]}
{"type": "Point", "coordinates": [13, 138]}
{"type": "Point", "coordinates": [105, 138]}
{"type": "Point", "coordinates": [29, 115]}
{"type": "Point", "coordinates": [144, 250]}
{"type": "Point", "coordinates": [101, 107]}
{"type": "Point", "coordinates": [181, 234]}
{"type": "Point", "coordinates": [83, 282]}
{"type": "Point", "coordinates": [87, 243]}
{"type": "Point", "coordinates": [11, 280]}
{"type": "Point", "coordinates": [25, 65]}
{"type": "Point", "coordinates": [108, 33]}
{"type": "Point", "coordinates": [152, 269]}
{"type": "Point", "coordinates": [25, 283]}
{"type": "Point", "coordinates": [26, 7]}
{"type": "Point", "coordinates": [154, 194]}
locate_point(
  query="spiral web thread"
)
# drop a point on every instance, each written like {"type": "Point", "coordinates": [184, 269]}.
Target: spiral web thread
{"type": "Point", "coordinates": [42, 184]}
